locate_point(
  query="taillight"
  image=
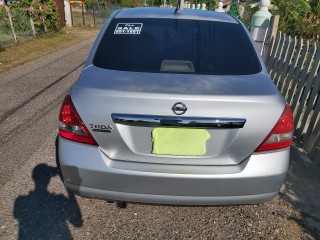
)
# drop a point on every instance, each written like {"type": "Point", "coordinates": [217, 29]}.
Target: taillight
{"type": "Point", "coordinates": [71, 126]}
{"type": "Point", "coordinates": [281, 135]}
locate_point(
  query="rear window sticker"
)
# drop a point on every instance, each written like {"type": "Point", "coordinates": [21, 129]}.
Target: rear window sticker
{"type": "Point", "coordinates": [128, 28]}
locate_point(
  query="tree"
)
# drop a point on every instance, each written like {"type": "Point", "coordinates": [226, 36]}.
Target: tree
{"type": "Point", "coordinates": [299, 17]}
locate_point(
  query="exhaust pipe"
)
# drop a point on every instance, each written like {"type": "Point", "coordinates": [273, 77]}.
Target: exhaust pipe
{"type": "Point", "coordinates": [121, 205]}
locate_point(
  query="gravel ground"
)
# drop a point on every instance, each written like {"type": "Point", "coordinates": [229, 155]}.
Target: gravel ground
{"type": "Point", "coordinates": [35, 205]}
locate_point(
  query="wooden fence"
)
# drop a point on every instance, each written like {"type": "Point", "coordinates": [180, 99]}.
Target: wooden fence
{"type": "Point", "coordinates": [294, 67]}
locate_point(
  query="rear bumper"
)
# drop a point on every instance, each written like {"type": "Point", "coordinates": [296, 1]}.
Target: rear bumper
{"type": "Point", "coordinates": [88, 172]}
{"type": "Point", "coordinates": [166, 199]}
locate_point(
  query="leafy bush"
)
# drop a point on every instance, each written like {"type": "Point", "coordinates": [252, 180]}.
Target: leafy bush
{"type": "Point", "coordinates": [299, 17]}
{"type": "Point", "coordinates": [21, 21]}
{"type": "Point", "coordinates": [43, 12]}
{"type": "Point", "coordinates": [4, 21]}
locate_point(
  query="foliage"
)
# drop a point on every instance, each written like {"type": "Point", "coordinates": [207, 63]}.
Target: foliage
{"type": "Point", "coordinates": [152, 3]}
{"type": "Point", "coordinates": [245, 15]}
{"type": "Point", "coordinates": [43, 12]}
{"type": "Point", "coordinates": [299, 17]}
{"type": "Point", "coordinates": [315, 6]}
{"type": "Point", "coordinates": [2, 46]}
{"type": "Point", "coordinates": [248, 12]}
{"type": "Point", "coordinates": [21, 21]}
{"type": "Point", "coordinates": [131, 3]}
{"type": "Point", "coordinates": [157, 3]}
{"type": "Point", "coordinates": [4, 21]}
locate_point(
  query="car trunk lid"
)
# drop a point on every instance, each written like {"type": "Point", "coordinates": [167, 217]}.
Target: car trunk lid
{"type": "Point", "coordinates": [114, 105]}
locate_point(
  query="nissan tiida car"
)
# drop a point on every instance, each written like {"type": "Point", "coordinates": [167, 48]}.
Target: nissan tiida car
{"type": "Point", "coordinates": [174, 109]}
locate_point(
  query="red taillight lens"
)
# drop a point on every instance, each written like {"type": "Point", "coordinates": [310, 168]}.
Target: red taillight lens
{"type": "Point", "coordinates": [281, 135]}
{"type": "Point", "coordinates": [71, 126]}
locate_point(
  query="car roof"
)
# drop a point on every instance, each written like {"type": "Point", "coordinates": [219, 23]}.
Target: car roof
{"type": "Point", "coordinates": [152, 12]}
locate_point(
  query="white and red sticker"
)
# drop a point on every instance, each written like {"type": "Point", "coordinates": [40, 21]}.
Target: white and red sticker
{"type": "Point", "coordinates": [128, 28]}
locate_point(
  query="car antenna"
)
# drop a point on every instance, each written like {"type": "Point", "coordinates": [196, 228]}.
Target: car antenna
{"type": "Point", "coordinates": [180, 6]}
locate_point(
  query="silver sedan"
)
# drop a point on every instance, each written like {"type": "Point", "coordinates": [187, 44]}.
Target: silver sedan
{"type": "Point", "coordinates": [174, 108]}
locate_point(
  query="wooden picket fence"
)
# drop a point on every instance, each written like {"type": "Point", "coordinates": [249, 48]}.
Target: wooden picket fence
{"type": "Point", "coordinates": [293, 65]}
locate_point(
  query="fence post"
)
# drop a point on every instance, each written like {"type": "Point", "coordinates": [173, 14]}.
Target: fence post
{"type": "Point", "coordinates": [84, 23]}
{"type": "Point", "coordinates": [270, 37]}
{"type": "Point", "coordinates": [259, 24]}
{"type": "Point", "coordinates": [11, 23]}
{"type": "Point", "coordinates": [220, 7]}
{"type": "Point", "coordinates": [94, 15]}
{"type": "Point", "coordinates": [43, 21]}
{"type": "Point", "coordinates": [32, 26]}
{"type": "Point", "coordinates": [68, 13]}
{"type": "Point", "coordinates": [31, 22]}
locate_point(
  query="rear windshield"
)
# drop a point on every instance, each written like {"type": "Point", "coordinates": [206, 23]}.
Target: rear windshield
{"type": "Point", "coordinates": [176, 46]}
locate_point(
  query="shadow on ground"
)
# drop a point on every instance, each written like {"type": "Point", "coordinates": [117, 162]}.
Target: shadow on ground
{"type": "Point", "coordinates": [44, 215]}
{"type": "Point", "coordinates": [302, 190]}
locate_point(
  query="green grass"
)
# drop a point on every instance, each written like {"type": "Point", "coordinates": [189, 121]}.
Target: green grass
{"type": "Point", "coordinates": [27, 50]}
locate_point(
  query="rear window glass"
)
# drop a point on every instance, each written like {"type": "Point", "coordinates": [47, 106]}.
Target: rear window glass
{"type": "Point", "coordinates": [176, 46]}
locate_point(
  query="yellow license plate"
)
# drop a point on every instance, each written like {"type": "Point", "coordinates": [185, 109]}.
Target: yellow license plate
{"type": "Point", "coordinates": [179, 141]}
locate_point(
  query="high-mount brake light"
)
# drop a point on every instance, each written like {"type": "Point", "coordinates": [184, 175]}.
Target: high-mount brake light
{"type": "Point", "coordinates": [281, 135]}
{"type": "Point", "coordinates": [71, 126]}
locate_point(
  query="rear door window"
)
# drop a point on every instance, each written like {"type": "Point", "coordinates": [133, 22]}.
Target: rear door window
{"type": "Point", "coordinates": [176, 46]}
